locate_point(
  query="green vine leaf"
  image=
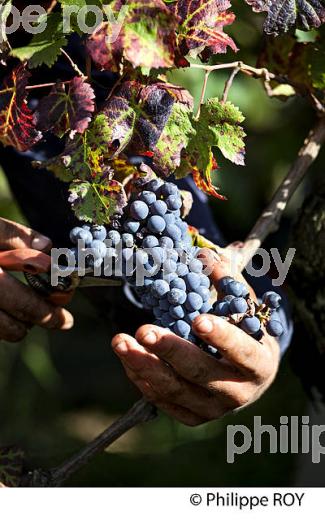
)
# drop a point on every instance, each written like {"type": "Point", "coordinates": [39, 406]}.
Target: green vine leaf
{"type": "Point", "coordinates": [173, 140]}
{"type": "Point", "coordinates": [282, 16]}
{"type": "Point", "coordinates": [85, 156]}
{"type": "Point", "coordinates": [219, 123]}
{"type": "Point", "coordinates": [217, 127]}
{"type": "Point", "coordinates": [97, 202]}
{"type": "Point", "coordinates": [62, 111]}
{"type": "Point", "coordinates": [45, 47]}
{"type": "Point", "coordinates": [73, 8]}
{"type": "Point", "coordinates": [11, 466]}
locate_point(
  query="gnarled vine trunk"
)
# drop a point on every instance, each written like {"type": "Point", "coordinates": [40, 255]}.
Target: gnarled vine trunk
{"type": "Point", "coordinates": [307, 281]}
{"type": "Point", "coordinates": [307, 275]}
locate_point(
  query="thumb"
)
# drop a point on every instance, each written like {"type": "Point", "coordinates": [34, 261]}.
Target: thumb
{"type": "Point", "coordinates": [227, 262]}
{"type": "Point", "coordinates": [17, 236]}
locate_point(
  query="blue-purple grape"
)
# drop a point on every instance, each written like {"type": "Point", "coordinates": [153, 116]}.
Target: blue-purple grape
{"type": "Point", "coordinates": [156, 224]}
{"type": "Point", "coordinates": [275, 328]}
{"type": "Point", "coordinates": [182, 329]}
{"type": "Point", "coordinates": [193, 302]}
{"type": "Point", "coordinates": [272, 299]}
{"type": "Point", "coordinates": [98, 232]}
{"type": "Point", "coordinates": [139, 210]}
{"type": "Point", "coordinates": [177, 297]}
{"type": "Point", "coordinates": [159, 207]}
{"type": "Point", "coordinates": [238, 306]}
{"type": "Point", "coordinates": [251, 325]}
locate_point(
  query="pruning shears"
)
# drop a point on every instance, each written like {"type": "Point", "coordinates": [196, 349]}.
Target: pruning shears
{"type": "Point", "coordinates": [36, 267]}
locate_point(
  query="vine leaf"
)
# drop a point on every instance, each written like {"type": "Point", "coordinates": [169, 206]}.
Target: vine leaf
{"type": "Point", "coordinates": [145, 38]}
{"type": "Point", "coordinates": [220, 123]}
{"type": "Point", "coordinates": [88, 14]}
{"type": "Point", "coordinates": [201, 30]}
{"type": "Point", "coordinates": [85, 156]}
{"type": "Point", "coordinates": [63, 111]}
{"type": "Point", "coordinates": [45, 47]}
{"type": "Point", "coordinates": [151, 118]}
{"type": "Point", "coordinates": [301, 62]}
{"type": "Point", "coordinates": [282, 16]}
{"type": "Point", "coordinates": [218, 126]}
{"type": "Point", "coordinates": [86, 163]}
{"type": "Point", "coordinates": [173, 140]}
{"type": "Point", "coordinates": [94, 202]}
{"type": "Point", "coordinates": [204, 182]}
{"type": "Point", "coordinates": [11, 466]}
{"type": "Point", "coordinates": [17, 125]}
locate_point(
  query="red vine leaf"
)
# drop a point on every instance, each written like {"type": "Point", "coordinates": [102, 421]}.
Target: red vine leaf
{"type": "Point", "coordinates": [201, 31]}
{"type": "Point", "coordinates": [203, 182]}
{"type": "Point", "coordinates": [62, 111]}
{"type": "Point", "coordinates": [105, 53]}
{"type": "Point", "coordinates": [281, 16]}
{"type": "Point", "coordinates": [145, 37]}
{"type": "Point", "coordinates": [17, 125]}
{"type": "Point", "coordinates": [151, 118]}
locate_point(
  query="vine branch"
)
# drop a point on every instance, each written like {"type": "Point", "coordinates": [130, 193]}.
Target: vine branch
{"type": "Point", "coordinates": [141, 412]}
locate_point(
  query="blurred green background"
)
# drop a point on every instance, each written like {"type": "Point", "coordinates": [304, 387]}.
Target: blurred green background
{"type": "Point", "coordinates": [58, 390]}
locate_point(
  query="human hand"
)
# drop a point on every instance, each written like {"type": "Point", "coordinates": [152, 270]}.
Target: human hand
{"type": "Point", "coordinates": [20, 306]}
{"type": "Point", "coordinates": [189, 384]}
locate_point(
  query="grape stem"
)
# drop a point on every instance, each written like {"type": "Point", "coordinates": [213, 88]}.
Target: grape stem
{"type": "Point", "coordinates": [204, 87]}
{"type": "Point", "coordinates": [271, 216]}
{"type": "Point", "coordinates": [72, 63]}
{"type": "Point", "coordinates": [258, 73]}
{"type": "Point", "coordinates": [229, 83]}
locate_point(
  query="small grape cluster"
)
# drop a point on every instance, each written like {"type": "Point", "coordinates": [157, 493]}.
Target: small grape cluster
{"type": "Point", "coordinates": [239, 308]}
{"type": "Point", "coordinates": [152, 235]}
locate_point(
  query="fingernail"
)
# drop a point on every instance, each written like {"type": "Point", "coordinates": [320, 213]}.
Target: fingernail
{"type": "Point", "coordinates": [69, 323]}
{"type": "Point", "coordinates": [203, 325]}
{"type": "Point", "coordinates": [121, 348]}
{"type": "Point", "coordinates": [40, 242]}
{"type": "Point", "coordinates": [150, 338]}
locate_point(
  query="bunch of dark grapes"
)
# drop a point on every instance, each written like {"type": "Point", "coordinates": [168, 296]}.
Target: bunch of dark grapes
{"type": "Point", "coordinates": [239, 308]}
{"type": "Point", "coordinates": [152, 236]}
